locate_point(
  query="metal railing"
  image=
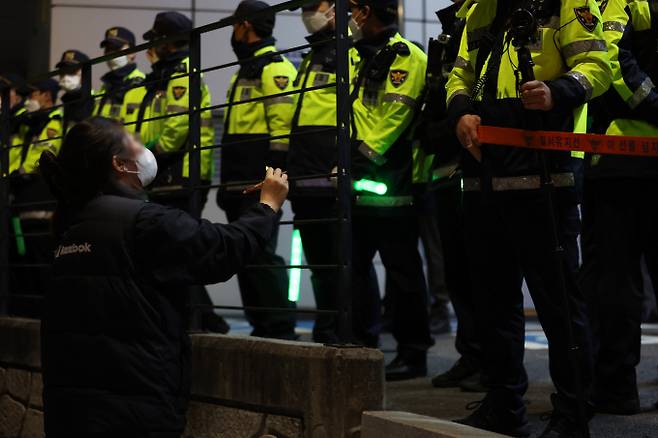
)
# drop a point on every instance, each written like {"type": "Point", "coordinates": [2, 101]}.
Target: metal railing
{"type": "Point", "coordinates": [194, 148]}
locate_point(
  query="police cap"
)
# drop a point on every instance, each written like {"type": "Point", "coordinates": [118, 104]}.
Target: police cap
{"type": "Point", "coordinates": [117, 37]}
{"type": "Point", "coordinates": [167, 24]}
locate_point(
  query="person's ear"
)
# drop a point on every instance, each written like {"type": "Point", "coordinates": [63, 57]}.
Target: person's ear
{"type": "Point", "coordinates": [118, 165]}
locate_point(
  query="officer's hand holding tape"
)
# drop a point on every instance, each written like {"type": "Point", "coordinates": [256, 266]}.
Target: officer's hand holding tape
{"type": "Point", "coordinates": [467, 133]}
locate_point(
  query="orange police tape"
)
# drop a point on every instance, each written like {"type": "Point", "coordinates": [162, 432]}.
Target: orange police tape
{"type": "Point", "coordinates": [568, 141]}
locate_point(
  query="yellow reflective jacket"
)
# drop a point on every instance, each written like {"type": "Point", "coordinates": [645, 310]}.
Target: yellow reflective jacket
{"type": "Point", "coordinates": [569, 54]}
{"type": "Point", "coordinates": [169, 96]}
{"type": "Point", "coordinates": [390, 85]}
{"type": "Point", "coordinates": [253, 117]}
{"type": "Point", "coordinates": [110, 97]}
{"type": "Point", "coordinates": [49, 138]}
{"type": "Point", "coordinates": [19, 138]}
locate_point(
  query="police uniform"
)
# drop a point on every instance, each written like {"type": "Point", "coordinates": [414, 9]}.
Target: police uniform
{"type": "Point", "coordinates": [43, 133]}
{"type": "Point", "coordinates": [509, 236]}
{"type": "Point", "coordinates": [620, 211]}
{"type": "Point", "coordinates": [315, 153]}
{"type": "Point", "coordinates": [115, 83]}
{"type": "Point", "coordinates": [77, 106]}
{"type": "Point", "coordinates": [386, 93]}
{"type": "Point", "coordinates": [446, 179]}
{"type": "Point", "coordinates": [247, 150]}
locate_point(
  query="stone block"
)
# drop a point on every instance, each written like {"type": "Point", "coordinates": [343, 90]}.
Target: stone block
{"type": "Point", "coordinates": [18, 384]}
{"type": "Point", "coordinates": [11, 417]}
{"type": "Point", "coordinates": [33, 425]}
{"type": "Point", "coordinates": [36, 391]}
{"type": "Point", "coordinates": [392, 424]}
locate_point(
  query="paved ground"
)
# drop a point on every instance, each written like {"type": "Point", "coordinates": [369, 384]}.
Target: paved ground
{"type": "Point", "coordinates": [420, 397]}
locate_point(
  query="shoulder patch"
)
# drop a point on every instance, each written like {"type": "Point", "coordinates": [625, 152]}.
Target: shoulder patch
{"type": "Point", "coordinates": [281, 82]}
{"type": "Point", "coordinates": [51, 132]}
{"type": "Point", "coordinates": [401, 49]}
{"type": "Point", "coordinates": [179, 92]}
{"type": "Point", "coordinates": [398, 77]}
{"type": "Point", "coordinates": [586, 18]}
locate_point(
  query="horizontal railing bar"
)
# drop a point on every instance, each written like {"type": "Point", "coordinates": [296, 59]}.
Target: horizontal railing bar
{"type": "Point", "coordinates": [274, 137]}
{"type": "Point", "coordinates": [264, 309]}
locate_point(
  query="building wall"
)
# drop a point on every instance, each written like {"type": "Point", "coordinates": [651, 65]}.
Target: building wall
{"type": "Point", "coordinates": [80, 24]}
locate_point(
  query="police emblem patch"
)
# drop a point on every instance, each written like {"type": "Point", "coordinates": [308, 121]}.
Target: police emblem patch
{"type": "Point", "coordinates": [69, 56]}
{"type": "Point", "coordinates": [51, 132]}
{"type": "Point", "coordinates": [281, 82]}
{"type": "Point", "coordinates": [179, 92]}
{"type": "Point", "coordinates": [398, 77]}
{"type": "Point", "coordinates": [586, 18]}
{"type": "Point", "coordinates": [111, 33]}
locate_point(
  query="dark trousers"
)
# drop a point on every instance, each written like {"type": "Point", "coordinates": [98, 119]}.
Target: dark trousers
{"type": "Point", "coordinates": [396, 240]}
{"type": "Point", "coordinates": [508, 237]}
{"type": "Point", "coordinates": [321, 245]}
{"type": "Point", "coordinates": [450, 217]}
{"type": "Point", "coordinates": [619, 222]}
{"type": "Point", "coordinates": [263, 287]}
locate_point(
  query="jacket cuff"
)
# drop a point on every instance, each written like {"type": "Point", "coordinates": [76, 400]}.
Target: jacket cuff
{"type": "Point", "coordinates": [567, 93]}
{"type": "Point", "coordinates": [460, 105]}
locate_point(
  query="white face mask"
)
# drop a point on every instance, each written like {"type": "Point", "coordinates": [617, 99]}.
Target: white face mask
{"type": "Point", "coordinates": [147, 167]}
{"type": "Point", "coordinates": [117, 63]}
{"type": "Point", "coordinates": [69, 82]}
{"type": "Point", "coordinates": [32, 105]}
{"type": "Point", "coordinates": [316, 21]}
{"type": "Point", "coordinates": [357, 31]}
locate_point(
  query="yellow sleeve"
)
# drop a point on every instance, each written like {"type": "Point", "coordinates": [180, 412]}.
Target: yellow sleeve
{"type": "Point", "coordinates": [278, 77]}
{"type": "Point", "coordinates": [583, 46]}
{"type": "Point", "coordinates": [462, 77]}
{"type": "Point", "coordinates": [175, 129]}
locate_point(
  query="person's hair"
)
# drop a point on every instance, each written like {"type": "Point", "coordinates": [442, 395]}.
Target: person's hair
{"type": "Point", "coordinates": [385, 17]}
{"type": "Point", "coordinates": [84, 164]}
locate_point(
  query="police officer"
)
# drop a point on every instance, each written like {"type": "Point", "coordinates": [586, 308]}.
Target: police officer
{"type": "Point", "coordinates": [77, 107]}
{"type": "Point", "coordinates": [389, 82]}
{"type": "Point", "coordinates": [123, 73]}
{"type": "Point", "coordinates": [18, 93]}
{"type": "Point", "coordinates": [619, 208]}
{"type": "Point", "coordinates": [507, 220]}
{"type": "Point", "coordinates": [44, 132]}
{"type": "Point", "coordinates": [255, 136]}
{"type": "Point", "coordinates": [436, 134]}
{"type": "Point", "coordinates": [315, 153]}
{"type": "Point", "coordinates": [166, 92]}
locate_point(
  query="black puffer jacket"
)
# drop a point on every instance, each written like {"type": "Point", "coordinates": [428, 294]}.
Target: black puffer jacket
{"type": "Point", "coordinates": [114, 345]}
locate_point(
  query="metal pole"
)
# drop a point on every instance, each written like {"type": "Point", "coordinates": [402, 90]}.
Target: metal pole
{"type": "Point", "coordinates": [343, 111]}
{"type": "Point", "coordinates": [5, 140]}
{"type": "Point", "coordinates": [193, 147]}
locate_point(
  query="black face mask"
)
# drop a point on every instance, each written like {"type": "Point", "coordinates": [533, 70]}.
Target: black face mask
{"type": "Point", "coordinates": [241, 49]}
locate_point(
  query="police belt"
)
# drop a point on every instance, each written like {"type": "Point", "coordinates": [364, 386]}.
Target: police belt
{"type": "Point", "coordinates": [527, 182]}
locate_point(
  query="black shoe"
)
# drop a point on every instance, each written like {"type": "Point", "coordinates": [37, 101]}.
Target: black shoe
{"type": "Point", "coordinates": [617, 407]}
{"type": "Point", "coordinates": [473, 384]}
{"type": "Point", "coordinates": [440, 320]}
{"type": "Point", "coordinates": [453, 378]}
{"type": "Point", "coordinates": [407, 366]}
{"type": "Point", "coordinates": [487, 417]}
{"type": "Point", "coordinates": [213, 323]}
{"type": "Point", "coordinates": [561, 426]}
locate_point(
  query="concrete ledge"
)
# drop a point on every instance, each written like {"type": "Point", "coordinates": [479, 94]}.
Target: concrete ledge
{"type": "Point", "coordinates": [391, 424]}
{"type": "Point", "coordinates": [21, 342]}
{"type": "Point", "coordinates": [326, 388]}
{"type": "Point", "coordinates": [241, 386]}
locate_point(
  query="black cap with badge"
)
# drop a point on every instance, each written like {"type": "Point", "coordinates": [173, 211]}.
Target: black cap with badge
{"type": "Point", "coordinates": [264, 23]}
{"type": "Point", "coordinates": [117, 37]}
{"type": "Point", "coordinates": [71, 59]}
{"type": "Point", "coordinates": [167, 24]}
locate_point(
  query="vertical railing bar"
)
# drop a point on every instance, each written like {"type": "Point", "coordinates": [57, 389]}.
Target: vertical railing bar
{"type": "Point", "coordinates": [5, 139]}
{"type": "Point", "coordinates": [194, 142]}
{"type": "Point", "coordinates": [343, 111]}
